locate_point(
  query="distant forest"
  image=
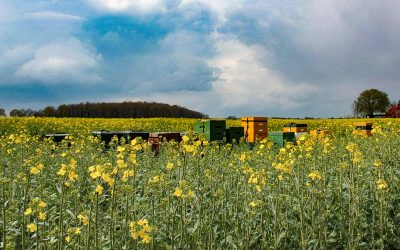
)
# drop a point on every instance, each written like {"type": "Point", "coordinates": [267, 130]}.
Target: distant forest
{"type": "Point", "coordinates": [111, 110]}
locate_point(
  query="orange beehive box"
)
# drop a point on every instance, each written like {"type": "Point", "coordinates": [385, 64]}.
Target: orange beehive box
{"type": "Point", "coordinates": [367, 125]}
{"type": "Point", "coordinates": [363, 128]}
{"type": "Point", "coordinates": [255, 128]}
{"type": "Point", "coordinates": [296, 128]}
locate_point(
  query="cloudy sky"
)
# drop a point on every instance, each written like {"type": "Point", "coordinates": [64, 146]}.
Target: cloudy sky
{"type": "Point", "coordinates": [287, 58]}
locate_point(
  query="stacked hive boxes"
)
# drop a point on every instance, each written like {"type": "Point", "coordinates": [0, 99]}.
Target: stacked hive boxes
{"type": "Point", "coordinates": [254, 128]}
{"type": "Point", "coordinates": [214, 130]}
{"type": "Point", "coordinates": [363, 128]}
{"type": "Point", "coordinates": [298, 129]}
{"type": "Point", "coordinates": [280, 138]}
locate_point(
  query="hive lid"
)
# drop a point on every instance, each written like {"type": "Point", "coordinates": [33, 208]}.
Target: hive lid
{"type": "Point", "coordinates": [363, 124]}
{"type": "Point", "coordinates": [254, 119]}
{"type": "Point", "coordinates": [290, 125]}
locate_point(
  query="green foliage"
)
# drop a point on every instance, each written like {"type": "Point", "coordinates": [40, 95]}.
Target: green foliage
{"type": "Point", "coordinates": [371, 101]}
{"type": "Point", "coordinates": [2, 112]}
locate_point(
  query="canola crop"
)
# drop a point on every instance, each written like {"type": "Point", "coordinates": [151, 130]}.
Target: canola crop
{"type": "Point", "coordinates": [334, 192]}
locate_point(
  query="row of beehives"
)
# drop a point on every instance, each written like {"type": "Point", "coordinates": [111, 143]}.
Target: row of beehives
{"type": "Point", "coordinates": [251, 129]}
{"type": "Point", "coordinates": [256, 128]}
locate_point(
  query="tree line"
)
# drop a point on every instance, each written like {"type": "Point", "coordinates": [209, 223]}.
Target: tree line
{"type": "Point", "coordinates": [111, 110]}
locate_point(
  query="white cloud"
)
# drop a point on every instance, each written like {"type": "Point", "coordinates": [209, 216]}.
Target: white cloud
{"type": "Point", "coordinates": [134, 7]}
{"type": "Point", "coordinates": [245, 85]}
{"type": "Point", "coordinates": [50, 15]}
{"type": "Point", "coordinates": [67, 61]}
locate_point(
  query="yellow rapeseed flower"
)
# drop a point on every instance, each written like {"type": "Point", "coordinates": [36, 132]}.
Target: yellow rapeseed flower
{"type": "Point", "coordinates": [28, 211]}
{"type": "Point", "coordinates": [190, 193]}
{"type": "Point", "coordinates": [83, 219]}
{"type": "Point", "coordinates": [377, 163]}
{"type": "Point", "coordinates": [135, 235]}
{"type": "Point", "coordinates": [252, 204]}
{"type": "Point", "coordinates": [31, 227]}
{"type": "Point", "coordinates": [381, 184]}
{"type": "Point", "coordinates": [68, 239]}
{"type": "Point", "coordinates": [62, 170]}
{"type": "Point", "coordinates": [40, 166]}
{"type": "Point", "coordinates": [142, 222]}
{"type": "Point", "coordinates": [170, 165]}
{"type": "Point", "coordinates": [132, 158]}
{"type": "Point", "coordinates": [72, 176]}
{"type": "Point", "coordinates": [178, 192]}
{"type": "Point", "coordinates": [146, 239]}
{"type": "Point", "coordinates": [121, 164]}
{"type": "Point", "coordinates": [42, 204]}
{"type": "Point", "coordinates": [99, 189]}
{"type": "Point", "coordinates": [314, 175]}
{"type": "Point", "coordinates": [34, 170]}
{"type": "Point", "coordinates": [147, 228]}
{"type": "Point", "coordinates": [185, 138]}
{"type": "Point", "coordinates": [42, 215]}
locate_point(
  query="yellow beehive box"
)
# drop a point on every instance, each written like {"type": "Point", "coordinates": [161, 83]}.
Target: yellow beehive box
{"type": "Point", "coordinates": [255, 128]}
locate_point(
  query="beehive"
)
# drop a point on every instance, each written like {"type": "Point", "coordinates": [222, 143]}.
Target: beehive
{"type": "Point", "coordinates": [279, 138]}
{"type": "Point", "coordinates": [57, 137]}
{"type": "Point", "coordinates": [107, 136]}
{"type": "Point", "coordinates": [234, 133]}
{"type": "Point", "coordinates": [214, 130]}
{"type": "Point", "coordinates": [255, 128]}
{"type": "Point", "coordinates": [296, 128]}
{"type": "Point", "coordinates": [363, 128]}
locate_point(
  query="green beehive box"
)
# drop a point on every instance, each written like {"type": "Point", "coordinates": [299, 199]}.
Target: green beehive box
{"type": "Point", "coordinates": [279, 138]}
{"type": "Point", "coordinates": [214, 130]}
{"type": "Point", "coordinates": [234, 133]}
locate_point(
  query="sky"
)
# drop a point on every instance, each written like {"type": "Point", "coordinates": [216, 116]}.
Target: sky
{"type": "Point", "coordinates": [274, 58]}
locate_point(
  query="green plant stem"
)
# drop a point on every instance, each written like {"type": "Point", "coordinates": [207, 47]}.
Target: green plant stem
{"type": "Point", "coordinates": [37, 234]}
{"type": "Point", "coordinates": [96, 229]}
{"type": "Point", "coordinates": [112, 216]}
{"type": "Point", "coordinates": [61, 224]}
{"type": "Point", "coordinates": [23, 210]}
{"type": "Point", "coordinates": [4, 217]}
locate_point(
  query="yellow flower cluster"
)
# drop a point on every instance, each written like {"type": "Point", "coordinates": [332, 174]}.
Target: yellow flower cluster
{"type": "Point", "coordinates": [70, 170]}
{"type": "Point", "coordinates": [104, 172]}
{"type": "Point", "coordinates": [36, 169]}
{"type": "Point", "coordinates": [183, 190]}
{"type": "Point", "coordinates": [315, 175]}
{"type": "Point", "coordinates": [382, 185]}
{"type": "Point", "coordinates": [140, 230]}
{"type": "Point", "coordinates": [83, 218]}
{"type": "Point", "coordinates": [256, 178]}
{"type": "Point", "coordinates": [355, 152]}
{"type": "Point", "coordinates": [36, 208]}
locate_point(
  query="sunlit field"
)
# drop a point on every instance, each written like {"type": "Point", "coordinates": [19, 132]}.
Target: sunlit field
{"type": "Point", "coordinates": [334, 192]}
